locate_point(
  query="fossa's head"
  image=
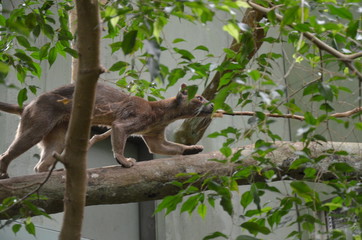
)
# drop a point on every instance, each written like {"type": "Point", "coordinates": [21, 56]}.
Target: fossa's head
{"type": "Point", "coordinates": [198, 106]}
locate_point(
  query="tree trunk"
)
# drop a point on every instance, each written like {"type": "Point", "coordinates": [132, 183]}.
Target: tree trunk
{"type": "Point", "coordinates": [75, 153]}
{"type": "Point", "coordinates": [192, 130]}
{"type": "Point", "coordinates": [151, 180]}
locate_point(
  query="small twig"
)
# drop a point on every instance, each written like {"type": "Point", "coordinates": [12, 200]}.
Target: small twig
{"type": "Point", "coordinates": [347, 113]}
{"type": "Point", "coordinates": [34, 191]}
{"type": "Point", "coordinates": [98, 137]}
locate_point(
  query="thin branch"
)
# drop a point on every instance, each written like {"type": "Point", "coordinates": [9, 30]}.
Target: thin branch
{"type": "Point", "coordinates": [343, 57]}
{"type": "Point", "coordinates": [32, 192]}
{"type": "Point", "coordinates": [220, 113]}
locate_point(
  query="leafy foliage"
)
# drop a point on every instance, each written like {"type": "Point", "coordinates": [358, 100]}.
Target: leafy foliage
{"type": "Point", "coordinates": [25, 208]}
{"type": "Point", "coordinates": [313, 82]}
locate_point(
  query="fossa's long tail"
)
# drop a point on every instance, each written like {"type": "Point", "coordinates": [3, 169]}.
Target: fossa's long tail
{"type": "Point", "coordinates": [11, 108]}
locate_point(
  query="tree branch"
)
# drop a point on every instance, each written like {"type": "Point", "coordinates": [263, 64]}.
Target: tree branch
{"type": "Point", "coordinates": [346, 58]}
{"type": "Point", "coordinates": [74, 156]}
{"type": "Point", "coordinates": [151, 180]}
{"type": "Point", "coordinates": [220, 113]}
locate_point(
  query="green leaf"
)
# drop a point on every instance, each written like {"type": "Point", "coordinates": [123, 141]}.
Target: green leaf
{"type": "Point", "coordinates": [22, 96]}
{"type": "Point", "coordinates": [169, 203]}
{"type": "Point", "coordinates": [246, 237]}
{"type": "Point", "coordinates": [326, 107]}
{"type": "Point", "coordinates": [72, 52]}
{"type": "Point", "coordinates": [269, 174]}
{"type": "Point", "coordinates": [158, 26]}
{"type": "Point", "coordinates": [342, 167]}
{"type": "Point", "coordinates": [43, 52]}
{"type": "Point", "coordinates": [290, 15]}
{"type": "Point", "coordinates": [118, 66]}
{"type": "Point", "coordinates": [225, 194]}
{"type": "Point", "coordinates": [303, 190]}
{"type": "Point", "coordinates": [358, 125]}
{"type": "Point", "coordinates": [202, 210]}
{"type": "Point", "coordinates": [202, 48]}
{"type": "Point", "coordinates": [255, 228]}
{"type": "Point", "coordinates": [177, 40]}
{"type": "Point", "coordinates": [185, 54]}
{"type": "Point", "coordinates": [22, 56]}
{"type": "Point", "coordinates": [33, 89]}
{"type": "Point", "coordinates": [215, 235]}
{"type": "Point", "coordinates": [246, 199]}
{"type": "Point", "coordinates": [326, 91]}
{"type": "Point", "coordinates": [52, 56]}
{"type": "Point", "coordinates": [129, 42]}
{"type": "Point", "coordinates": [190, 204]}
{"type": "Point", "coordinates": [21, 73]}
{"type": "Point", "coordinates": [191, 91]}
{"type": "Point", "coordinates": [299, 162]}
{"type": "Point", "coordinates": [115, 46]}
{"type": "Point", "coordinates": [310, 89]}
{"type": "Point", "coordinates": [352, 28]}
{"type": "Point", "coordinates": [255, 194]}
{"type": "Point", "coordinates": [254, 74]}
{"type": "Point", "coordinates": [226, 151]}
{"type": "Point", "coordinates": [175, 75]}
{"type": "Point", "coordinates": [2, 20]}
{"type": "Point", "coordinates": [23, 41]}
{"type": "Point", "coordinates": [310, 119]}
{"type": "Point", "coordinates": [30, 227]}
{"type": "Point", "coordinates": [4, 68]}
{"type": "Point", "coordinates": [48, 31]}
{"type": "Point", "coordinates": [16, 228]}
{"type": "Point", "coordinates": [310, 172]}
{"type": "Point", "coordinates": [233, 30]}
{"type": "Point", "coordinates": [340, 12]}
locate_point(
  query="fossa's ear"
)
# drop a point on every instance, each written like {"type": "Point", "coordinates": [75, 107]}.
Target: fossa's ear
{"type": "Point", "coordinates": [181, 93]}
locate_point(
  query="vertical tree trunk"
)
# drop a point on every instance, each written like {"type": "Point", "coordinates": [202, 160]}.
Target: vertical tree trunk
{"type": "Point", "coordinates": [74, 157]}
{"type": "Point", "coordinates": [192, 130]}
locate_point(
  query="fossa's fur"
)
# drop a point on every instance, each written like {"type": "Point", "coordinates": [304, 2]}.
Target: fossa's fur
{"type": "Point", "coordinates": [45, 121]}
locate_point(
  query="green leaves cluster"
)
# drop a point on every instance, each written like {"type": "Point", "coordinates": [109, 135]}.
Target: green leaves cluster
{"type": "Point", "coordinates": [24, 208]}
{"type": "Point", "coordinates": [21, 27]}
{"type": "Point", "coordinates": [138, 32]}
{"type": "Point", "coordinates": [255, 87]}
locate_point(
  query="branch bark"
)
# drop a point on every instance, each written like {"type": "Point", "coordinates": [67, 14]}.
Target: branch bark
{"type": "Point", "coordinates": [151, 180]}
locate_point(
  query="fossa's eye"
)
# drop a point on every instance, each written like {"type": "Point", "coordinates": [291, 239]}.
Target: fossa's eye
{"type": "Point", "coordinates": [200, 98]}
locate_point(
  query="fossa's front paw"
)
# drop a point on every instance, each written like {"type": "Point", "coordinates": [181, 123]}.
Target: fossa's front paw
{"type": "Point", "coordinates": [194, 149]}
{"type": "Point", "coordinates": [126, 162]}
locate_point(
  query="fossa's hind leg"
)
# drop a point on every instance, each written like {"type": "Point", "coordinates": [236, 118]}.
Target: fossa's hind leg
{"type": "Point", "coordinates": [54, 141]}
{"type": "Point", "coordinates": [28, 135]}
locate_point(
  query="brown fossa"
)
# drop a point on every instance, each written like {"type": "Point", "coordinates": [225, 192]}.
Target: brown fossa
{"type": "Point", "coordinates": [44, 121]}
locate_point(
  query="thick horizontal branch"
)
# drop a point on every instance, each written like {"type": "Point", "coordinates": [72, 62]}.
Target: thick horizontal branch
{"type": "Point", "coordinates": [151, 180]}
